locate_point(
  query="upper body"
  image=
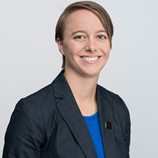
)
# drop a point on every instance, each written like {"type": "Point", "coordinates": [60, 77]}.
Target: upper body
{"type": "Point", "coordinates": [49, 124]}
{"type": "Point", "coordinates": [52, 119]}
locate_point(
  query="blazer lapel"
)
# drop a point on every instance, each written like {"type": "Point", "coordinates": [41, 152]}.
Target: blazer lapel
{"type": "Point", "coordinates": [106, 123]}
{"type": "Point", "coordinates": [69, 110]}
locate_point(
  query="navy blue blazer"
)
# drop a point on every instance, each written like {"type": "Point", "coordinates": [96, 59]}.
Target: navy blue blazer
{"type": "Point", "coordinates": [49, 124]}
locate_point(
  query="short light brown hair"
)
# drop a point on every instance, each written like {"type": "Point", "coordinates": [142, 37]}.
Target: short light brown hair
{"type": "Point", "coordinates": [95, 8]}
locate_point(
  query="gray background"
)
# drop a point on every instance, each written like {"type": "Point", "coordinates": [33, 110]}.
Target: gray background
{"type": "Point", "coordinates": [29, 60]}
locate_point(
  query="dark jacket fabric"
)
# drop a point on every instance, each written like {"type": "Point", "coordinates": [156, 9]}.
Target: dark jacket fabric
{"type": "Point", "coordinates": [49, 124]}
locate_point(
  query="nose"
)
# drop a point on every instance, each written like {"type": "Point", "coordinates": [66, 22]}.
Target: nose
{"type": "Point", "coordinates": [91, 45]}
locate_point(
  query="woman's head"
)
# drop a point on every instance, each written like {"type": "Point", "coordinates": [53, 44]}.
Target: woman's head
{"type": "Point", "coordinates": [93, 7]}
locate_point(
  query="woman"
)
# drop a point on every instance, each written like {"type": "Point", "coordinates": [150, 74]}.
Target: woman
{"type": "Point", "coordinates": [73, 117]}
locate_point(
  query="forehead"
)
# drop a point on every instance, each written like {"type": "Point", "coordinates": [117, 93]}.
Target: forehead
{"type": "Point", "coordinates": [81, 14]}
{"type": "Point", "coordinates": [82, 18]}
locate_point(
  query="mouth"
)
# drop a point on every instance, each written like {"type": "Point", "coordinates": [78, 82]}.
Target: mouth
{"type": "Point", "coordinates": [90, 60]}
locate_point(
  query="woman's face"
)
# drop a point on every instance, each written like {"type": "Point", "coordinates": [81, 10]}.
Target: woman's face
{"type": "Point", "coordinates": [85, 45]}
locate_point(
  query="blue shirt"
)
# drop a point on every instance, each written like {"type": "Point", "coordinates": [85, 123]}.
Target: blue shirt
{"type": "Point", "coordinates": [93, 125]}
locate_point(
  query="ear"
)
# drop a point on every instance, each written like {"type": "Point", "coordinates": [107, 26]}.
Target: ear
{"type": "Point", "coordinates": [60, 46]}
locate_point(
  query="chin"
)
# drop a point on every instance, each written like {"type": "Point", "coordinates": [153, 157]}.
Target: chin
{"type": "Point", "coordinates": [91, 73]}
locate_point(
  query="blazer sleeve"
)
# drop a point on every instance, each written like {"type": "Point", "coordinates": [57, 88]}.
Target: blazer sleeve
{"type": "Point", "coordinates": [24, 136]}
{"type": "Point", "coordinates": [127, 133]}
{"type": "Point", "coordinates": [126, 125]}
{"type": "Point", "coordinates": [122, 125]}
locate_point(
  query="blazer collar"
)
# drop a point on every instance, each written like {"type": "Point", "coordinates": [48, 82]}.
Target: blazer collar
{"type": "Point", "coordinates": [69, 110]}
{"type": "Point", "coordinates": [106, 122]}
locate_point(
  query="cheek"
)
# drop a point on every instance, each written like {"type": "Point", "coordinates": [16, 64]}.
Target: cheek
{"type": "Point", "coordinates": [74, 49]}
{"type": "Point", "coordinates": [105, 50]}
{"type": "Point", "coordinates": [69, 53]}
{"type": "Point", "coordinates": [108, 51]}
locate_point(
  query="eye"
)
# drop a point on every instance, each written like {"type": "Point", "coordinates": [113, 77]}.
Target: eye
{"type": "Point", "coordinates": [101, 37]}
{"type": "Point", "coordinates": [80, 37]}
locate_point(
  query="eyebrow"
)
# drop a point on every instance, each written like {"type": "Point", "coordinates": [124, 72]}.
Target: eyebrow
{"type": "Point", "coordinates": [78, 31]}
{"type": "Point", "coordinates": [82, 31]}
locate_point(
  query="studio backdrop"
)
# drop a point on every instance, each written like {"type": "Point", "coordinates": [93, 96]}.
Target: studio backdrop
{"type": "Point", "coordinates": [30, 60]}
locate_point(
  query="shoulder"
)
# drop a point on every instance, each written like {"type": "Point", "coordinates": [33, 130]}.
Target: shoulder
{"type": "Point", "coordinates": [117, 103]}
{"type": "Point", "coordinates": [110, 95]}
{"type": "Point", "coordinates": [113, 97]}
{"type": "Point", "coordinates": [120, 113]}
{"type": "Point", "coordinates": [42, 104]}
{"type": "Point", "coordinates": [37, 105]}
{"type": "Point", "coordinates": [30, 118]}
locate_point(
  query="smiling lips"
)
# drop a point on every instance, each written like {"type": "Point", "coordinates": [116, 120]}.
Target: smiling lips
{"type": "Point", "coordinates": [90, 60]}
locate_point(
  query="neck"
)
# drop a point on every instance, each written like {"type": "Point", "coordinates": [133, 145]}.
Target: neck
{"type": "Point", "coordinates": [84, 91]}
